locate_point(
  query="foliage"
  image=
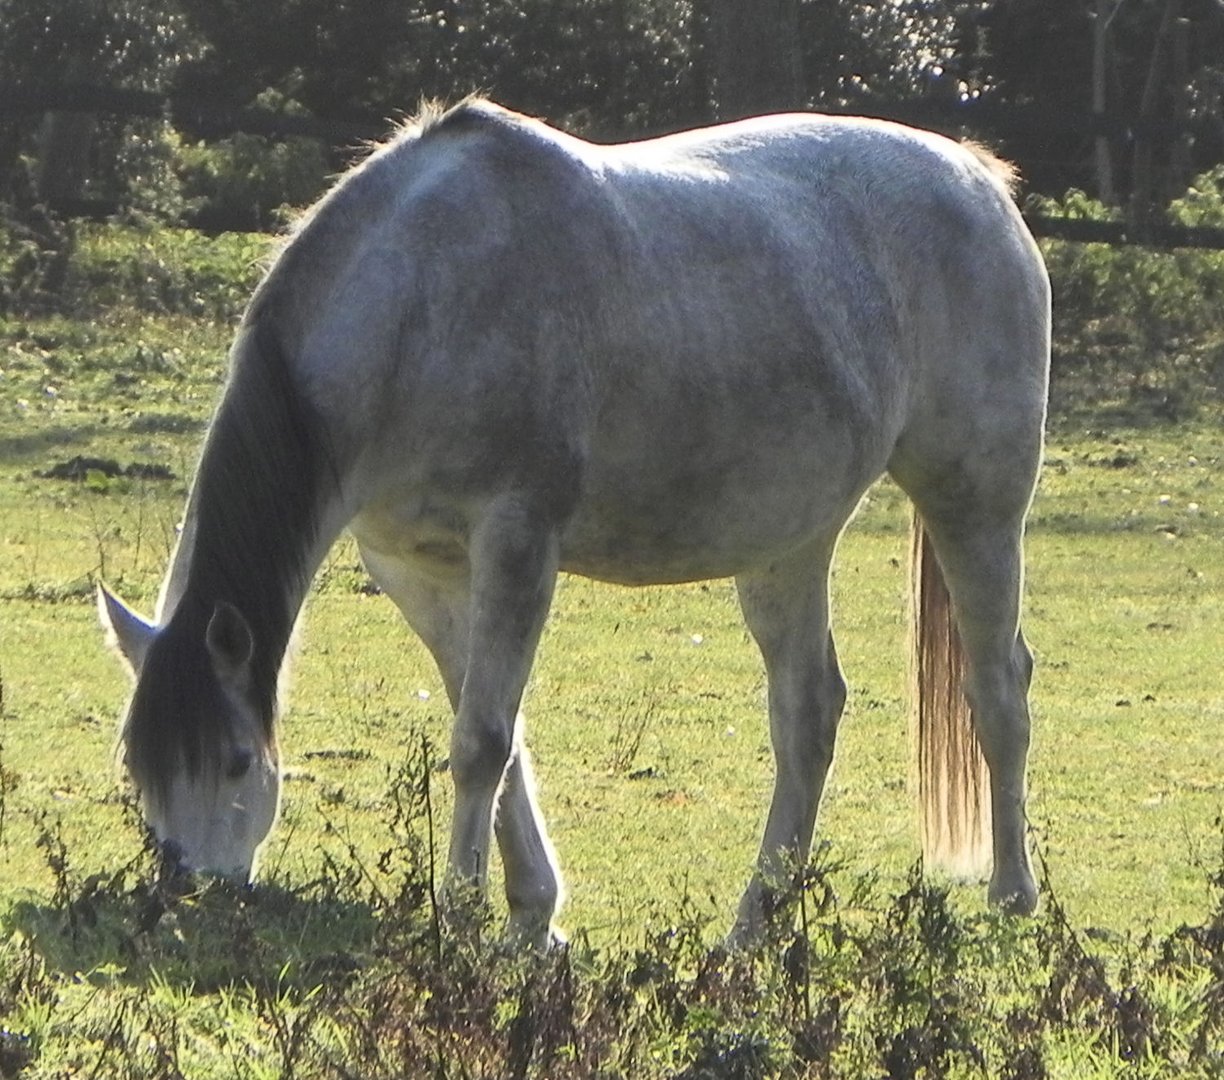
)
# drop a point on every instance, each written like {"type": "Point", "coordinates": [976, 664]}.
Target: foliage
{"type": "Point", "coordinates": [1040, 54]}
{"type": "Point", "coordinates": [874, 52]}
{"type": "Point", "coordinates": [1203, 203]}
{"type": "Point", "coordinates": [106, 267]}
{"type": "Point", "coordinates": [249, 182]}
{"type": "Point", "coordinates": [124, 43]}
{"type": "Point", "coordinates": [605, 68]}
{"type": "Point", "coordinates": [34, 259]}
{"type": "Point", "coordinates": [361, 973]}
{"type": "Point", "coordinates": [1139, 327]}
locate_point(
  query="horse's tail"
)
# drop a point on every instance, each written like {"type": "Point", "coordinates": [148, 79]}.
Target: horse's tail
{"type": "Point", "coordinates": [953, 784]}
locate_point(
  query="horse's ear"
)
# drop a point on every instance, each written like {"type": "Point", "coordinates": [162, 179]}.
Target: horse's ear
{"type": "Point", "coordinates": [125, 630]}
{"type": "Point", "coordinates": [230, 641]}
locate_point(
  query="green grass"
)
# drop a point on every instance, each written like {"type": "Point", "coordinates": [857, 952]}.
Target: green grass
{"type": "Point", "coordinates": [646, 718]}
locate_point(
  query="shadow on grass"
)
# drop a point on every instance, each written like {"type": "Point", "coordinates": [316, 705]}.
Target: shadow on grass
{"type": "Point", "coordinates": [166, 424]}
{"type": "Point", "coordinates": [16, 449]}
{"type": "Point", "coordinates": [117, 931]}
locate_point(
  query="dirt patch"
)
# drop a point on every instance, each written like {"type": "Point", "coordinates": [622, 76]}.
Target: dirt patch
{"type": "Point", "coordinates": [81, 468]}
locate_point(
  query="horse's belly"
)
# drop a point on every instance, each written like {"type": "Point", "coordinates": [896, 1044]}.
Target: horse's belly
{"type": "Point", "coordinates": [677, 535]}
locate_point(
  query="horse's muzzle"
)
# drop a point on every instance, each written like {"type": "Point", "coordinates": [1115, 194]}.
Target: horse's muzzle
{"type": "Point", "coordinates": [176, 876]}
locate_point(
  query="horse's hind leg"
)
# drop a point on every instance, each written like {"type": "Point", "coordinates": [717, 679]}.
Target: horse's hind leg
{"type": "Point", "coordinates": [438, 608]}
{"type": "Point", "coordinates": [786, 607]}
{"type": "Point", "coordinates": [976, 524]}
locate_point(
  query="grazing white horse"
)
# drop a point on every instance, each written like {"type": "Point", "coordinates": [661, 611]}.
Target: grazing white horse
{"type": "Point", "coordinates": [495, 352]}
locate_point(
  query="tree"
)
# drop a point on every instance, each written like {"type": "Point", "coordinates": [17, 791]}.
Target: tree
{"type": "Point", "coordinates": [1039, 54]}
{"type": "Point", "coordinates": [754, 63]}
{"type": "Point", "coordinates": [609, 67]}
{"type": "Point", "coordinates": [875, 52]}
{"type": "Point", "coordinates": [124, 43]}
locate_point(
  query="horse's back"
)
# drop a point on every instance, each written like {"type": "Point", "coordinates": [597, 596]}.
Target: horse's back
{"type": "Point", "coordinates": [694, 351]}
{"type": "Point", "coordinates": [881, 245]}
{"type": "Point", "coordinates": [819, 290]}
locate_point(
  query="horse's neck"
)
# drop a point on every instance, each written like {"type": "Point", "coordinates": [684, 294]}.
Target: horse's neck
{"type": "Point", "coordinates": [266, 502]}
{"type": "Point", "coordinates": [269, 592]}
{"type": "Point", "coordinates": [175, 582]}
{"type": "Point", "coordinates": [270, 602]}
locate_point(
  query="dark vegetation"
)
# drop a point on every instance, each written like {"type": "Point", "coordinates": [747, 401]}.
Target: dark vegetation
{"type": "Point", "coordinates": [863, 983]}
{"type": "Point", "coordinates": [1138, 333]}
{"type": "Point", "coordinates": [1124, 98]}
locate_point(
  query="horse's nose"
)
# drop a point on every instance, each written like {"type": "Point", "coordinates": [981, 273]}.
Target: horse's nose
{"type": "Point", "coordinates": [172, 858]}
{"type": "Point", "coordinates": [175, 878]}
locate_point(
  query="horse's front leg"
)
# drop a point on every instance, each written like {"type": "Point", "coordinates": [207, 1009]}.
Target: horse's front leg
{"type": "Point", "coordinates": [786, 607]}
{"type": "Point", "coordinates": [514, 570]}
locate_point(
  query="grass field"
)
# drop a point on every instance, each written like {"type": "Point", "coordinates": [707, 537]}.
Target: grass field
{"type": "Point", "coordinates": [646, 717]}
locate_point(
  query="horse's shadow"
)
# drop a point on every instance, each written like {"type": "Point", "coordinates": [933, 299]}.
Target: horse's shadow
{"type": "Point", "coordinates": [136, 933]}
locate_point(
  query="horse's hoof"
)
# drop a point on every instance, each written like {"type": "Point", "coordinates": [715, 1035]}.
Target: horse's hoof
{"type": "Point", "coordinates": [532, 936]}
{"type": "Point", "coordinates": [1013, 898]}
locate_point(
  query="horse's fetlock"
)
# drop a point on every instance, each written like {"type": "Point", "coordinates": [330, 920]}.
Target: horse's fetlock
{"type": "Point", "coordinates": [537, 901]}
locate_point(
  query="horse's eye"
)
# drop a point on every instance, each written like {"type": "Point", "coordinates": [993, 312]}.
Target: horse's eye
{"type": "Point", "coordinates": [239, 764]}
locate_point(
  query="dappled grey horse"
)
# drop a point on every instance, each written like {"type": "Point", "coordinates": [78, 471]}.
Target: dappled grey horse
{"type": "Point", "coordinates": [495, 352]}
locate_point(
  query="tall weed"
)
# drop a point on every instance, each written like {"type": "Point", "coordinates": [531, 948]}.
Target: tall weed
{"type": "Point", "coordinates": [354, 974]}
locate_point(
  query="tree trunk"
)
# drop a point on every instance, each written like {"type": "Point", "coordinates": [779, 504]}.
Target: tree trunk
{"type": "Point", "coordinates": [1181, 157]}
{"type": "Point", "coordinates": [755, 64]}
{"type": "Point", "coordinates": [1100, 54]}
{"type": "Point", "coordinates": [1143, 185]}
{"type": "Point", "coordinates": [66, 141]}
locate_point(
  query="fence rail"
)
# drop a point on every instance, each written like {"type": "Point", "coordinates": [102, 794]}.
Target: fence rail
{"type": "Point", "coordinates": [205, 116]}
{"type": "Point", "coordinates": [216, 118]}
{"type": "Point", "coordinates": [220, 117]}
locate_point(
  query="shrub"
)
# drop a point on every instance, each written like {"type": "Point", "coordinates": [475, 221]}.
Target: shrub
{"type": "Point", "coordinates": [250, 182]}
{"type": "Point", "coordinates": [1138, 328]}
{"type": "Point", "coordinates": [87, 269]}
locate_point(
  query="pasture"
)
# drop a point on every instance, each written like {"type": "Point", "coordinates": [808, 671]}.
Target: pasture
{"type": "Point", "coordinates": [646, 720]}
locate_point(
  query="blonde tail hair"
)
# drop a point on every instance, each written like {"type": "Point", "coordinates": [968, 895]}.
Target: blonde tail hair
{"type": "Point", "coordinates": [953, 782]}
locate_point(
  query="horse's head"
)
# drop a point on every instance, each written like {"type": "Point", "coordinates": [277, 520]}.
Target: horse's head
{"type": "Point", "coordinates": [197, 744]}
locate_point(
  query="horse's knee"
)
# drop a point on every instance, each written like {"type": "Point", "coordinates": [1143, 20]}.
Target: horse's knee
{"type": "Point", "coordinates": [480, 753]}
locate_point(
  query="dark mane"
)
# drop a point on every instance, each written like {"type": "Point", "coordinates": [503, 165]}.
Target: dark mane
{"type": "Point", "coordinates": [265, 472]}
{"type": "Point", "coordinates": [436, 113]}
